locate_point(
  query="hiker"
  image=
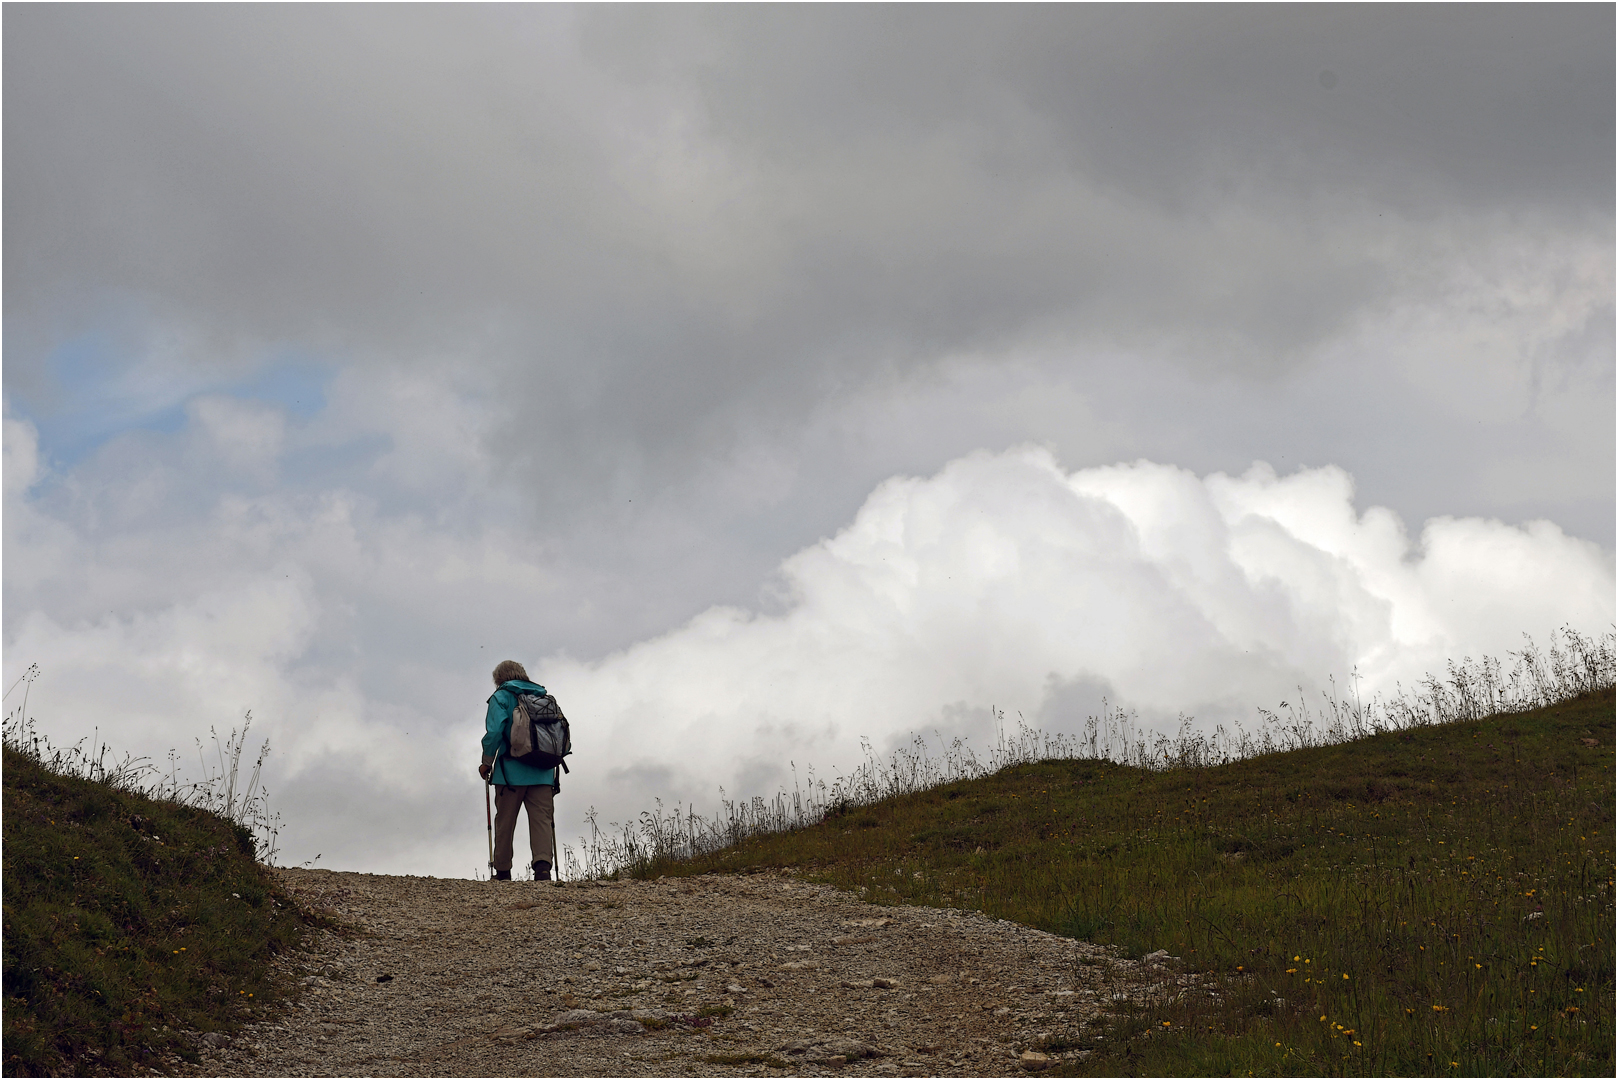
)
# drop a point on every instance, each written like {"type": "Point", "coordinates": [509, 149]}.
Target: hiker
{"type": "Point", "coordinates": [516, 784]}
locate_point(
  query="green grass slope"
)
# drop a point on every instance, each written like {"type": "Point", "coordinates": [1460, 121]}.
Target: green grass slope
{"type": "Point", "coordinates": [1435, 901]}
{"type": "Point", "coordinates": [128, 922]}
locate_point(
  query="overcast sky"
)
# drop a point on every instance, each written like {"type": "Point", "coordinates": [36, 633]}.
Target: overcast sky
{"type": "Point", "coordinates": [766, 378]}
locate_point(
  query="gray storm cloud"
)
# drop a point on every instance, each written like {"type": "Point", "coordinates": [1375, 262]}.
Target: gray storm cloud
{"type": "Point", "coordinates": [661, 213]}
{"type": "Point", "coordinates": [346, 346]}
{"type": "Point", "coordinates": [674, 229]}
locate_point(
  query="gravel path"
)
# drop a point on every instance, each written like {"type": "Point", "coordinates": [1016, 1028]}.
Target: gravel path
{"type": "Point", "coordinates": [707, 976]}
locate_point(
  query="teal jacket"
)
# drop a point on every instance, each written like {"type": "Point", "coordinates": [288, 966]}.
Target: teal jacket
{"type": "Point", "coordinates": [497, 738]}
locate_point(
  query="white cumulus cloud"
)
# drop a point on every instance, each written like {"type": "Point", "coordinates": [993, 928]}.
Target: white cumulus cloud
{"type": "Point", "coordinates": [1006, 581]}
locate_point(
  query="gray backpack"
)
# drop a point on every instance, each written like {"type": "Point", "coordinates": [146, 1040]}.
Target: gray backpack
{"type": "Point", "coordinates": [539, 732]}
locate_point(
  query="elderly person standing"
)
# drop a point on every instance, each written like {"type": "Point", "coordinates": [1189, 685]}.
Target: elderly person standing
{"type": "Point", "coordinates": [516, 785]}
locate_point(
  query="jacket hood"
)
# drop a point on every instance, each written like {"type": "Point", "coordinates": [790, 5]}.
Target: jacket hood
{"type": "Point", "coordinates": [520, 685]}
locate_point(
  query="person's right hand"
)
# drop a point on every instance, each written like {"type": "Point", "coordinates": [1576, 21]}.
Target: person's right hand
{"type": "Point", "coordinates": [485, 770]}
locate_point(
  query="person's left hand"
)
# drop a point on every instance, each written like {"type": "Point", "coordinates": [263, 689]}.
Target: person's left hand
{"type": "Point", "coordinates": [485, 770]}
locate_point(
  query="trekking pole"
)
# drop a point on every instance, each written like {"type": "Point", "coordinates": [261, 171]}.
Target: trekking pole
{"type": "Point", "coordinates": [556, 852]}
{"type": "Point", "coordinates": [488, 815]}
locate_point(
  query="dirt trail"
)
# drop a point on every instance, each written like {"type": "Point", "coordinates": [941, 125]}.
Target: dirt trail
{"type": "Point", "coordinates": [708, 976]}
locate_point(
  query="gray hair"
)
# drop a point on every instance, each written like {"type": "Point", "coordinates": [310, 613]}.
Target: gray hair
{"type": "Point", "coordinates": [506, 670]}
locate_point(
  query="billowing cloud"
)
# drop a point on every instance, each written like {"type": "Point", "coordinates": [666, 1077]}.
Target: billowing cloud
{"type": "Point", "coordinates": [1003, 579]}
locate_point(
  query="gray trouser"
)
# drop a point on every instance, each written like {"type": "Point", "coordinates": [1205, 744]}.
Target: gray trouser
{"type": "Point", "coordinates": [538, 799]}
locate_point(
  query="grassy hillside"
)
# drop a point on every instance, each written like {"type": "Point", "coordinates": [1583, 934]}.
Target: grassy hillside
{"type": "Point", "coordinates": [1437, 900]}
{"type": "Point", "coordinates": [128, 922]}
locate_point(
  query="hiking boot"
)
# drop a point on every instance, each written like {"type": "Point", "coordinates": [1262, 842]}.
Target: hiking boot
{"type": "Point", "coordinates": [542, 870]}
{"type": "Point", "coordinates": [502, 875]}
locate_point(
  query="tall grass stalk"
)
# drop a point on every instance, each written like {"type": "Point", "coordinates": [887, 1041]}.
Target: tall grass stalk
{"type": "Point", "coordinates": [219, 790]}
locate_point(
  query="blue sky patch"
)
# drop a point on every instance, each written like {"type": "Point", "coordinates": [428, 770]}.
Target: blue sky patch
{"type": "Point", "coordinates": [92, 394]}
